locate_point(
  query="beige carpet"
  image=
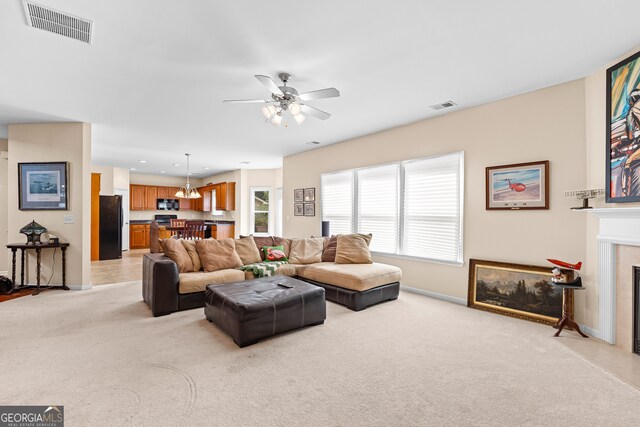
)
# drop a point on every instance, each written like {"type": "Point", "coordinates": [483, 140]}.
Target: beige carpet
{"type": "Point", "coordinates": [414, 361]}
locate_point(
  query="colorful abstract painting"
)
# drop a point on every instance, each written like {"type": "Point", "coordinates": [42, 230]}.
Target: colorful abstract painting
{"type": "Point", "coordinates": [623, 128]}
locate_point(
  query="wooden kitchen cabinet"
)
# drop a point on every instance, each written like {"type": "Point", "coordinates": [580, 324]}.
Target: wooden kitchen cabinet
{"type": "Point", "coordinates": [139, 236]}
{"type": "Point", "coordinates": [138, 194]}
{"type": "Point", "coordinates": [226, 196]}
{"type": "Point", "coordinates": [165, 193]}
{"type": "Point", "coordinates": [151, 199]}
{"type": "Point", "coordinates": [223, 231]}
{"type": "Point", "coordinates": [185, 204]}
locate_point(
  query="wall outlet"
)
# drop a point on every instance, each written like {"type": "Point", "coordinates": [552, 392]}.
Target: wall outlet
{"type": "Point", "coordinates": [69, 219]}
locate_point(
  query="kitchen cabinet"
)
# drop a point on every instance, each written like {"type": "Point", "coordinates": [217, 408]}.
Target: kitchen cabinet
{"type": "Point", "coordinates": [165, 193]}
{"type": "Point", "coordinates": [225, 196]}
{"type": "Point", "coordinates": [138, 194]}
{"type": "Point", "coordinates": [222, 231]}
{"type": "Point", "coordinates": [185, 204]}
{"type": "Point", "coordinates": [151, 198]}
{"type": "Point", "coordinates": [139, 236]}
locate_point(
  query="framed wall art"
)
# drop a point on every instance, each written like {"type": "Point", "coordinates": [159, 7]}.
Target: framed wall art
{"type": "Point", "coordinates": [516, 290]}
{"type": "Point", "coordinates": [43, 186]}
{"type": "Point", "coordinates": [518, 186]}
{"type": "Point", "coordinates": [623, 131]}
{"type": "Point", "coordinates": [298, 209]}
{"type": "Point", "coordinates": [298, 195]}
{"type": "Point", "coordinates": [309, 194]}
{"type": "Point", "coordinates": [309, 209]}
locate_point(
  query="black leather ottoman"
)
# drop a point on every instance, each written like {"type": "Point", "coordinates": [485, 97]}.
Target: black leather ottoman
{"type": "Point", "coordinates": [254, 309]}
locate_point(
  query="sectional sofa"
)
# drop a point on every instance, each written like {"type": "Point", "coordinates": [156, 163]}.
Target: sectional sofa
{"type": "Point", "coordinates": [352, 279]}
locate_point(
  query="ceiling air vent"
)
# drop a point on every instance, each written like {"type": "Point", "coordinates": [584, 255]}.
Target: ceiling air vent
{"type": "Point", "coordinates": [443, 105]}
{"type": "Point", "coordinates": [58, 22]}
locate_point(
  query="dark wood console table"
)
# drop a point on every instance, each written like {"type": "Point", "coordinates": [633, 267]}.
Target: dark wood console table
{"type": "Point", "coordinates": [566, 320]}
{"type": "Point", "coordinates": [38, 248]}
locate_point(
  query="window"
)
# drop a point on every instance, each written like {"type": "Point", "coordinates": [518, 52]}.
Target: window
{"type": "Point", "coordinates": [260, 216]}
{"type": "Point", "coordinates": [413, 208]}
{"type": "Point", "coordinates": [336, 192]}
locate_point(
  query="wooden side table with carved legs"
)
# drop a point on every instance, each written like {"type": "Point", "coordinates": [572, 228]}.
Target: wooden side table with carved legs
{"type": "Point", "coordinates": [38, 248]}
{"type": "Point", "coordinates": [566, 320]}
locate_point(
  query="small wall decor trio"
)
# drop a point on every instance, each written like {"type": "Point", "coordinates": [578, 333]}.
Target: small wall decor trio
{"type": "Point", "coordinates": [304, 202]}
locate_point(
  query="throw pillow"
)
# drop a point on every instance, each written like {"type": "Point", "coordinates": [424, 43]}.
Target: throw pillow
{"type": "Point", "coordinates": [190, 246]}
{"type": "Point", "coordinates": [178, 254]}
{"type": "Point", "coordinates": [261, 242]}
{"type": "Point", "coordinates": [218, 254]}
{"type": "Point", "coordinates": [274, 253]}
{"type": "Point", "coordinates": [247, 250]}
{"type": "Point", "coordinates": [306, 251]}
{"type": "Point", "coordinates": [353, 249]}
{"type": "Point", "coordinates": [281, 241]}
{"type": "Point", "coordinates": [329, 251]}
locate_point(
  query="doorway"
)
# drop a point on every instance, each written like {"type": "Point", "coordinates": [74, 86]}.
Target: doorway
{"type": "Point", "coordinates": [125, 216]}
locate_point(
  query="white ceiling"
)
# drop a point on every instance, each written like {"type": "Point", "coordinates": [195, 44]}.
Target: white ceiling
{"type": "Point", "coordinates": [153, 80]}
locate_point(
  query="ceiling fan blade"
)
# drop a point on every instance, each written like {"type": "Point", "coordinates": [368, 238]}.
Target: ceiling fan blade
{"type": "Point", "coordinates": [319, 114]}
{"type": "Point", "coordinates": [247, 101]}
{"type": "Point", "coordinates": [330, 92]}
{"type": "Point", "coordinates": [266, 80]}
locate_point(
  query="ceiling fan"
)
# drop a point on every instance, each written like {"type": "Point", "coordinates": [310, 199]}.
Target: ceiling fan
{"type": "Point", "coordinates": [286, 98]}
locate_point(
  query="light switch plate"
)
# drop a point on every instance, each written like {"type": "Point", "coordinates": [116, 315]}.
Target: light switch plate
{"type": "Point", "coordinates": [69, 219]}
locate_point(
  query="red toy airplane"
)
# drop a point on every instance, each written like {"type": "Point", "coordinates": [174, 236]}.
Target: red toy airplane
{"type": "Point", "coordinates": [518, 186]}
{"type": "Point", "coordinates": [565, 264]}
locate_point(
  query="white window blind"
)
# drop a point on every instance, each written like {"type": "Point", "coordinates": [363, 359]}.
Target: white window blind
{"type": "Point", "coordinates": [377, 206]}
{"type": "Point", "coordinates": [336, 190]}
{"type": "Point", "coordinates": [412, 208]}
{"type": "Point", "coordinates": [432, 208]}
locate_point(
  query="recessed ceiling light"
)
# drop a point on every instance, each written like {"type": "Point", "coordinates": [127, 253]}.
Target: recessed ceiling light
{"type": "Point", "coordinates": [132, 169]}
{"type": "Point", "coordinates": [175, 164]}
{"type": "Point", "coordinates": [206, 168]}
{"type": "Point", "coordinates": [142, 161]}
{"type": "Point", "coordinates": [245, 163]}
{"type": "Point", "coordinates": [162, 171]}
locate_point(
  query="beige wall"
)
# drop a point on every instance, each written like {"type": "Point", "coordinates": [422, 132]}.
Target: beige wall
{"type": "Point", "coordinates": [548, 124]}
{"type": "Point", "coordinates": [106, 179]}
{"type": "Point", "coordinates": [48, 142]}
{"type": "Point", "coordinates": [4, 260]}
{"type": "Point", "coordinates": [596, 139]}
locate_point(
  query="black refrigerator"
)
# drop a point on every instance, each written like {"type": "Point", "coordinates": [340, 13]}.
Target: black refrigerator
{"type": "Point", "coordinates": [110, 227]}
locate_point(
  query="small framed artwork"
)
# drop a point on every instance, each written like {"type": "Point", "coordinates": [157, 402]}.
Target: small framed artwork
{"type": "Point", "coordinates": [43, 186]}
{"type": "Point", "coordinates": [309, 209]}
{"type": "Point", "coordinates": [516, 290]}
{"type": "Point", "coordinates": [623, 131]}
{"type": "Point", "coordinates": [309, 194]}
{"type": "Point", "coordinates": [298, 209]}
{"type": "Point", "coordinates": [518, 186]}
{"type": "Point", "coordinates": [298, 195]}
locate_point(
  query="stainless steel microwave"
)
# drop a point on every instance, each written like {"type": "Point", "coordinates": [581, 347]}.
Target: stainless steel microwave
{"type": "Point", "coordinates": [168, 205]}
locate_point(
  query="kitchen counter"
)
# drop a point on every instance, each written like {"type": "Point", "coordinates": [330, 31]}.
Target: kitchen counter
{"type": "Point", "coordinates": [207, 222]}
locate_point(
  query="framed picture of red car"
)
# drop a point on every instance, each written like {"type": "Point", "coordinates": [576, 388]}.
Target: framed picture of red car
{"type": "Point", "coordinates": [623, 131]}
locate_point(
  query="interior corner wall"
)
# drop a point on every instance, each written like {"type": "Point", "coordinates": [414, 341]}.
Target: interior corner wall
{"type": "Point", "coordinates": [547, 124]}
{"type": "Point", "coordinates": [596, 140]}
{"type": "Point", "coordinates": [49, 142]}
{"type": "Point", "coordinates": [4, 147]}
{"type": "Point", "coordinates": [106, 179]}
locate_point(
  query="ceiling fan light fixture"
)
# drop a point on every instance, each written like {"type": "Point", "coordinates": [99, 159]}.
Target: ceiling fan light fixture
{"type": "Point", "coordinates": [268, 111]}
{"type": "Point", "coordinates": [277, 119]}
{"type": "Point", "coordinates": [299, 118]}
{"type": "Point", "coordinates": [295, 109]}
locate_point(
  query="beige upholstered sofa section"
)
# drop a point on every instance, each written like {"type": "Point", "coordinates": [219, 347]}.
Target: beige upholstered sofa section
{"type": "Point", "coordinates": [197, 281]}
{"type": "Point", "coordinates": [357, 277]}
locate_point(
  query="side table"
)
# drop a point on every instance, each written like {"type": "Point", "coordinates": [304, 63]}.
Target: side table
{"type": "Point", "coordinates": [38, 248]}
{"type": "Point", "coordinates": [566, 319]}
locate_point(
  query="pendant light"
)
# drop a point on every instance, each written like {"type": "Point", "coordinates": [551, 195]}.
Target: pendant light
{"type": "Point", "coordinates": [188, 192]}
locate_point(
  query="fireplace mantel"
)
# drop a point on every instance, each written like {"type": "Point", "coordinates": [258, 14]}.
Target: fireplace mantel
{"type": "Point", "coordinates": [617, 226]}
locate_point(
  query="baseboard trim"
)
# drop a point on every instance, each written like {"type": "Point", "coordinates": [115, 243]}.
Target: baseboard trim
{"type": "Point", "coordinates": [80, 287]}
{"type": "Point", "coordinates": [590, 331]}
{"type": "Point", "coordinates": [436, 295]}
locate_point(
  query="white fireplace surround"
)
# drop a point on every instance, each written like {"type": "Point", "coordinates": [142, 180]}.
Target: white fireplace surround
{"type": "Point", "coordinates": [618, 226]}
